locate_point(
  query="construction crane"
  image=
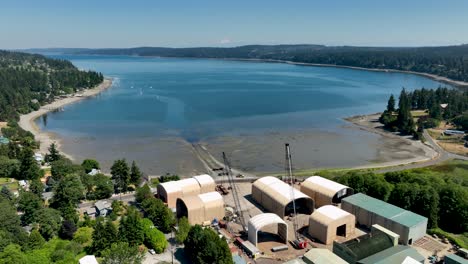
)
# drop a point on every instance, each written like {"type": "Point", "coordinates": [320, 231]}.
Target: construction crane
{"type": "Point", "coordinates": [298, 241]}
{"type": "Point", "coordinates": [235, 192]}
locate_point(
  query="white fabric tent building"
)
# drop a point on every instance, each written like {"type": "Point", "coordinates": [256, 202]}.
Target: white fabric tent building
{"type": "Point", "coordinates": [324, 191]}
{"type": "Point", "coordinates": [169, 192]}
{"type": "Point", "coordinates": [276, 196]}
{"type": "Point", "coordinates": [260, 221]}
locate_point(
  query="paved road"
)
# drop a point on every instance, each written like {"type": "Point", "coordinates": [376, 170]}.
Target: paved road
{"type": "Point", "coordinates": [128, 197]}
{"type": "Point", "coordinates": [443, 156]}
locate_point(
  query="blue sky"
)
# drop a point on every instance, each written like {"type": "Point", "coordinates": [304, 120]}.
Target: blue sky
{"type": "Point", "coordinates": [176, 23]}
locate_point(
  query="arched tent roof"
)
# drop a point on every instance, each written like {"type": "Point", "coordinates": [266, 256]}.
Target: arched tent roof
{"type": "Point", "coordinates": [329, 213]}
{"type": "Point", "coordinates": [324, 191]}
{"type": "Point", "coordinates": [201, 208]}
{"type": "Point", "coordinates": [206, 182]}
{"type": "Point", "coordinates": [170, 191]}
{"type": "Point", "coordinates": [258, 222]}
{"type": "Point", "coordinates": [324, 222]}
{"type": "Point", "coordinates": [275, 195]}
{"type": "Point", "coordinates": [213, 205]}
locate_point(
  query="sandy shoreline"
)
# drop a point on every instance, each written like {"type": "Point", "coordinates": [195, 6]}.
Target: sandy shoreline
{"type": "Point", "coordinates": [27, 121]}
{"type": "Point", "coordinates": [428, 75]}
{"type": "Point", "coordinates": [370, 123]}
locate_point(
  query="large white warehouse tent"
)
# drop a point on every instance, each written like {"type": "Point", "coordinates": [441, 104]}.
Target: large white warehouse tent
{"type": "Point", "coordinates": [277, 196]}
{"type": "Point", "coordinates": [169, 192]}
{"type": "Point", "coordinates": [260, 221]}
{"type": "Point", "coordinates": [324, 191]}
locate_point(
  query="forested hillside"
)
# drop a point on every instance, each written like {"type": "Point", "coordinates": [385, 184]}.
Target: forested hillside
{"type": "Point", "coordinates": [28, 81]}
{"type": "Point", "coordinates": [449, 61]}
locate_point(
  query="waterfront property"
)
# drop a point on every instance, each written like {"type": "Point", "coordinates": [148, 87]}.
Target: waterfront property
{"type": "Point", "coordinates": [370, 211]}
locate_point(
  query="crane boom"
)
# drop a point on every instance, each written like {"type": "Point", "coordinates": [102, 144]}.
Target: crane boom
{"type": "Point", "coordinates": [291, 179]}
{"type": "Point", "coordinates": [235, 192]}
{"type": "Point", "coordinates": [298, 241]}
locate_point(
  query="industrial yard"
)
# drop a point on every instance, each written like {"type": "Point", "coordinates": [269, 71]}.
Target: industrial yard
{"type": "Point", "coordinates": [278, 220]}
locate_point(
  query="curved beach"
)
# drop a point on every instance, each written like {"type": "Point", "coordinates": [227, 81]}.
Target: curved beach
{"type": "Point", "coordinates": [45, 138]}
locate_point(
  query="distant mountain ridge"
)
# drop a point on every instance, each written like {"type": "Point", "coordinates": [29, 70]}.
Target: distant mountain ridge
{"type": "Point", "coordinates": [445, 61]}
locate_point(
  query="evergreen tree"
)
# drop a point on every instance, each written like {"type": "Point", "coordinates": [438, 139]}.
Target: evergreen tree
{"type": "Point", "coordinates": [29, 203]}
{"type": "Point", "coordinates": [405, 121]}
{"type": "Point", "coordinates": [205, 246]}
{"type": "Point", "coordinates": [6, 193]}
{"type": "Point", "coordinates": [135, 174]}
{"type": "Point", "coordinates": [100, 242]}
{"type": "Point", "coordinates": [29, 169]}
{"type": "Point", "coordinates": [130, 228]}
{"type": "Point", "coordinates": [67, 230]}
{"type": "Point", "coordinates": [35, 241]}
{"type": "Point", "coordinates": [143, 193]}
{"type": "Point", "coordinates": [160, 214]}
{"type": "Point", "coordinates": [54, 154]}
{"type": "Point", "coordinates": [121, 175]}
{"type": "Point", "coordinates": [391, 104]}
{"type": "Point", "coordinates": [90, 164]}
{"type": "Point", "coordinates": [49, 222]}
{"type": "Point", "coordinates": [122, 252]}
{"type": "Point", "coordinates": [36, 187]}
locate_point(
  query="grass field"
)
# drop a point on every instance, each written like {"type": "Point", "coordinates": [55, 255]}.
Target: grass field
{"type": "Point", "coordinates": [9, 183]}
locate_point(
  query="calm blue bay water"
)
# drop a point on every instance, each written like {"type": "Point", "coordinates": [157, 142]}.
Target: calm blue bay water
{"type": "Point", "coordinates": [157, 106]}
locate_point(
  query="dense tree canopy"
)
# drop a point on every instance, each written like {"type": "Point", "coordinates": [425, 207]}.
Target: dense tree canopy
{"type": "Point", "coordinates": [28, 80]}
{"type": "Point", "coordinates": [121, 175]}
{"type": "Point", "coordinates": [205, 246]}
{"type": "Point", "coordinates": [449, 61]}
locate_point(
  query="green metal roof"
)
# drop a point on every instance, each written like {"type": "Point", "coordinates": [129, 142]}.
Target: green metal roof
{"type": "Point", "coordinates": [393, 255]}
{"type": "Point", "coordinates": [368, 245]}
{"type": "Point", "coordinates": [385, 210]}
{"type": "Point", "coordinates": [455, 259]}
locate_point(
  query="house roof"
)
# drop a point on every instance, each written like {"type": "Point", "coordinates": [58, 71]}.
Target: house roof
{"type": "Point", "coordinates": [385, 210]}
{"type": "Point", "coordinates": [90, 210]}
{"type": "Point", "coordinates": [102, 204]}
{"type": "Point", "coordinates": [89, 259]}
{"type": "Point", "coordinates": [47, 195]}
{"type": "Point", "coordinates": [393, 255]}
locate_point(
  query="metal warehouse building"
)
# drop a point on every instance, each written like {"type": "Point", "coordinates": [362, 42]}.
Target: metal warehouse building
{"type": "Point", "coordinates": [328, 222]}
{"type": "Point", "coordinates": [169, 192]}
{"type": "Point", "coordinates": [260, 221]}
{"type": "Point", "coordinates": [201, 208]}
{"type": "Point", "coordinates": [370, 211]}
{"type": "Point", "coordinates": [324, 192]}
{"type": "Point", "coordinates": [276, 196]}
